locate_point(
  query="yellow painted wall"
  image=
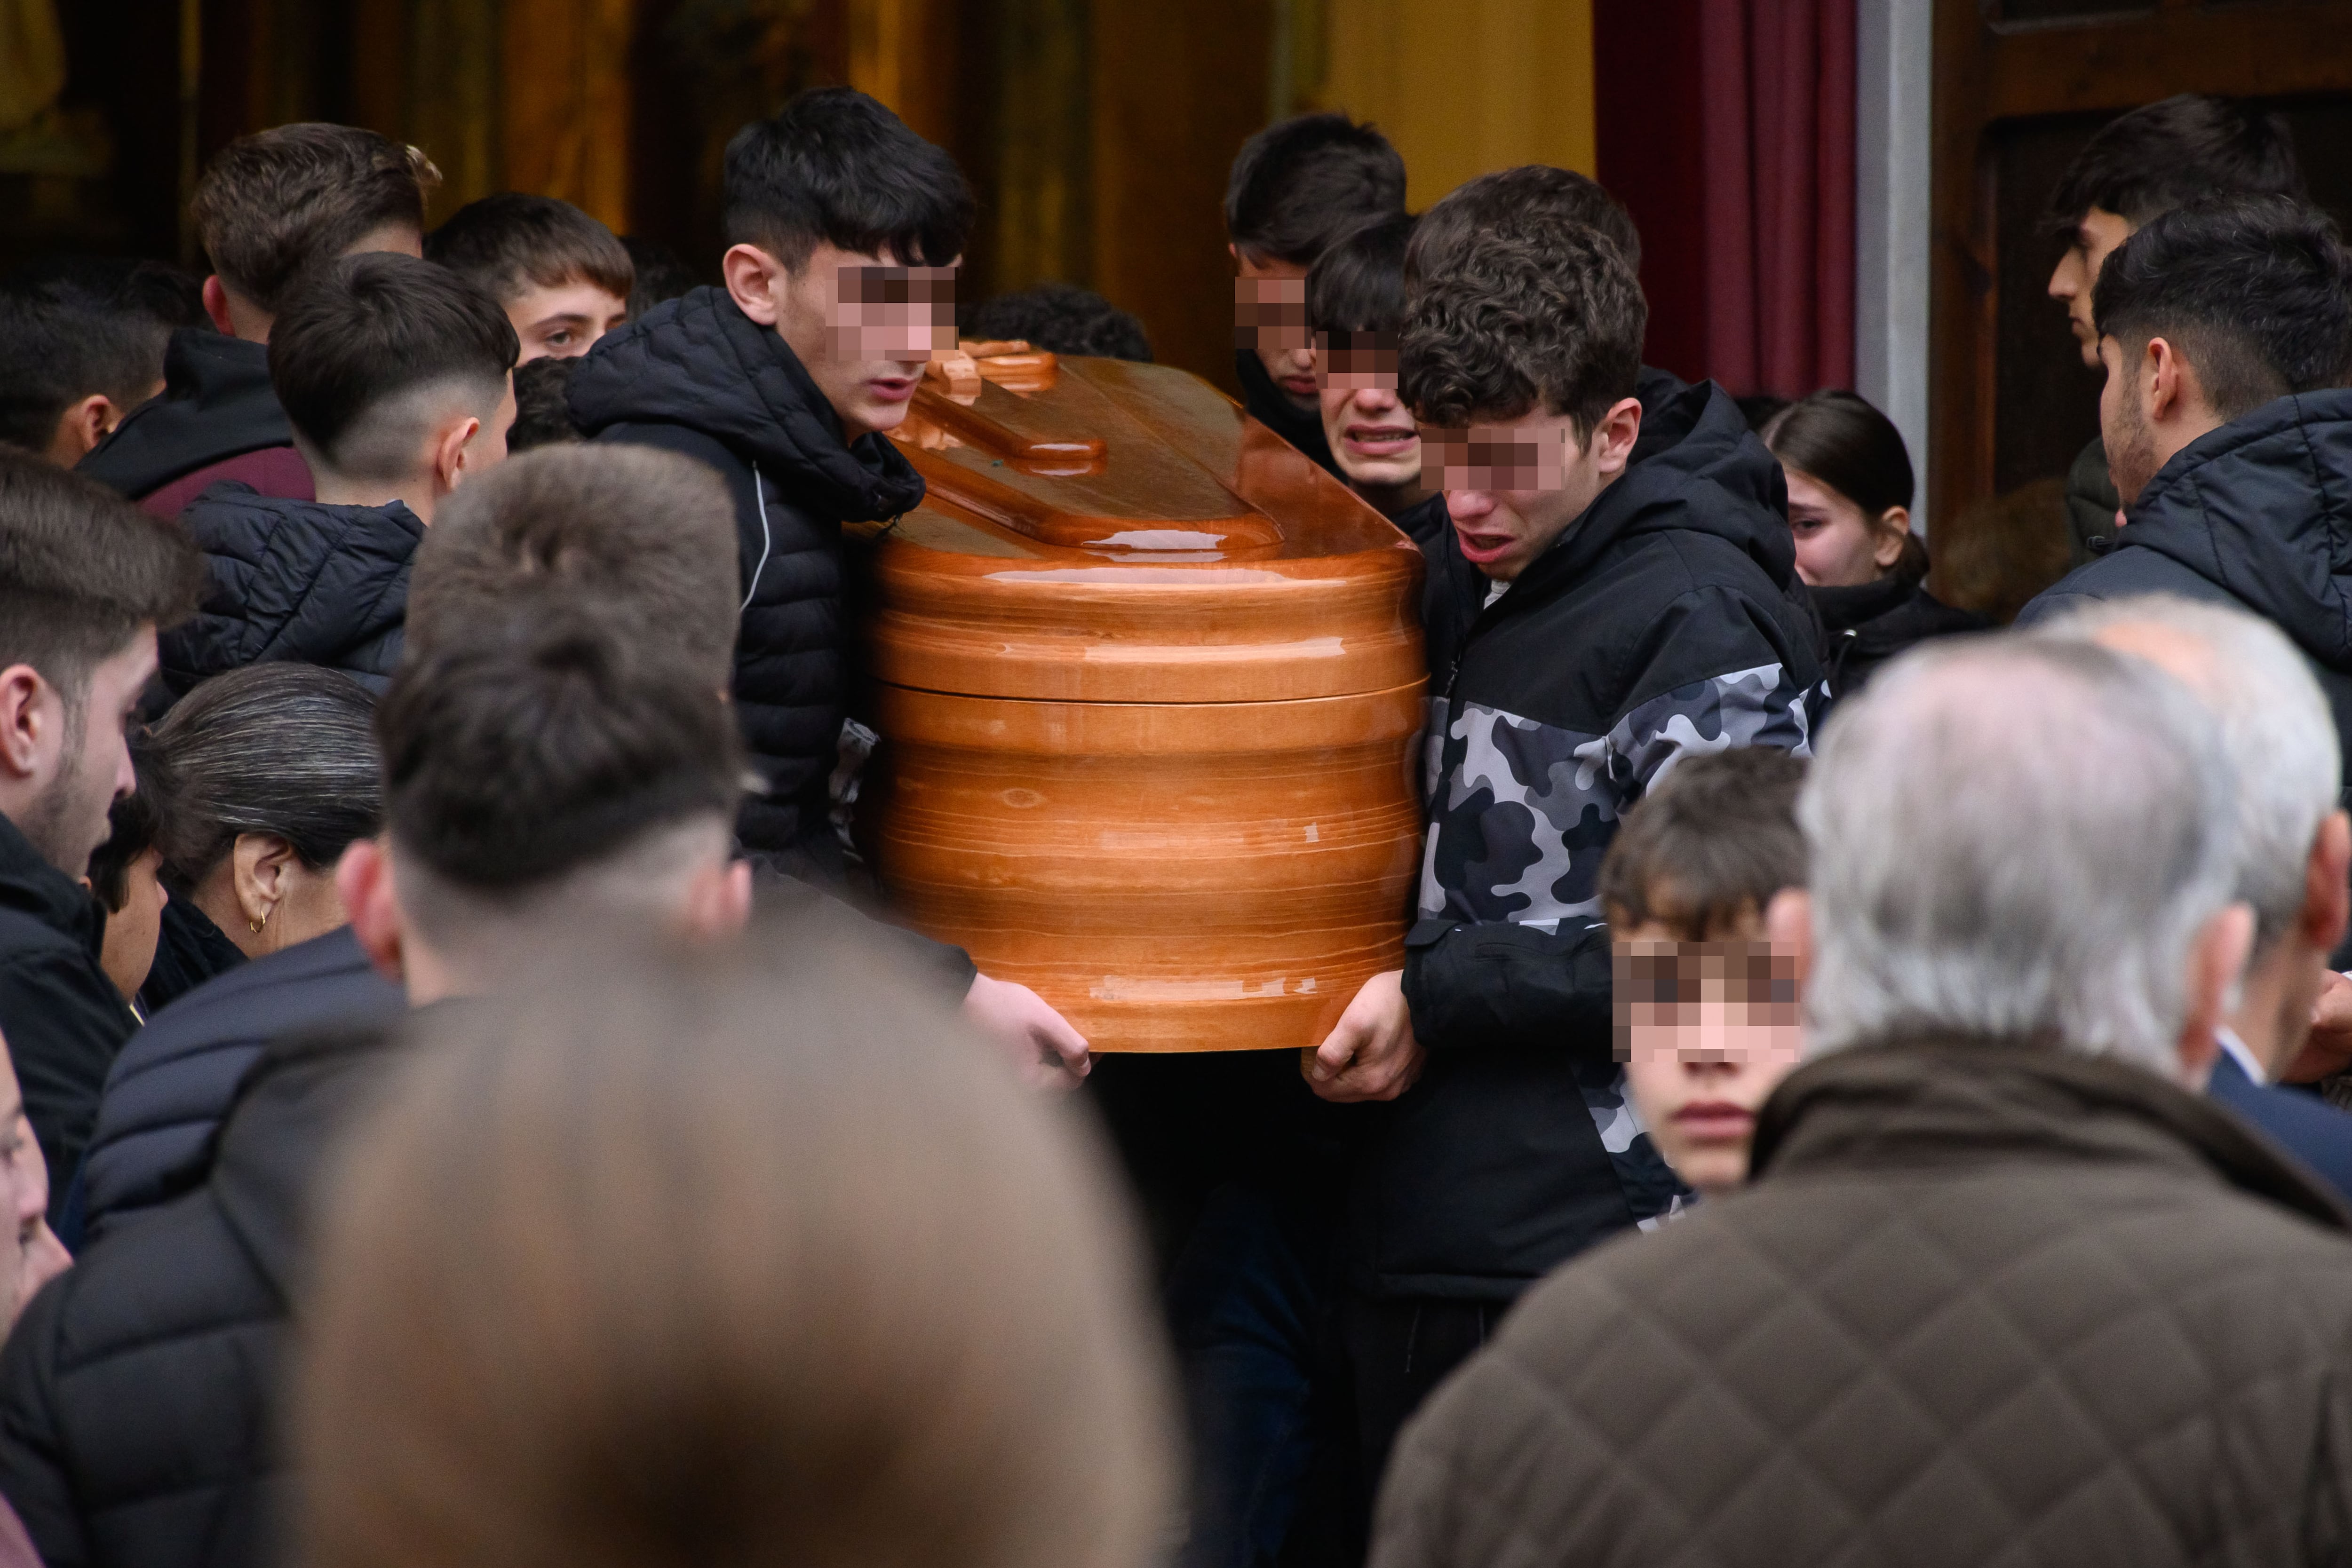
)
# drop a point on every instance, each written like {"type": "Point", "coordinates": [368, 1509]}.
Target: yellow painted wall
{"type": "Point", "coordinates": [1465, 87]}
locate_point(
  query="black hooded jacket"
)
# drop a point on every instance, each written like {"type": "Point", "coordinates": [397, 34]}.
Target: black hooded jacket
{"type": "Point", "coordinates": [63, 1019]}
{"type": "Point", "coordinates": [301, 582]}
{"type": "Point", "coordinates": [2256, 514]}
{"type": "Point", "coordinates": [697, 376]}
{"type": "Point", "coordinates": [1667, 619]}
{"type": "Point", "coordinates": [217, 404]}
{"type": "Point", "coordinates": [1870, 622]}
{"type": "Point", "coordinates": [139, 1394]}
{"type": "Point", "coordinates": [1265, 402]}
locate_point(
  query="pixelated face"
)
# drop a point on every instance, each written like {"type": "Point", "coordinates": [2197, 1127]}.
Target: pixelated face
{"type": "Point", "coordinates": [1372, 433]}
{"type": "Point", "coordinates": [862, 327]}
{"type": "Point", "coordinates": [2094, 240]}
{"type": "Point", "coordinates": [1270, 321]}
{"type": "Point", "coordinates": [1706, 1030]}
{"type": "Point", "coordinates": [1512, 488]}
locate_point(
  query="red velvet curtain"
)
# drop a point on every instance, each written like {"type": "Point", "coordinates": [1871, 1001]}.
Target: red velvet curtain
{"type": "Point", "coordinates": [1726, 129]}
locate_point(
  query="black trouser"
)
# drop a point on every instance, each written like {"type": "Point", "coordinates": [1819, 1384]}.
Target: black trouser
{"type": "Point", "coordinates": [1398, 1352]}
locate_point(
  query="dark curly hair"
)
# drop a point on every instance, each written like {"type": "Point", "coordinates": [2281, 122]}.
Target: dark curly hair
{"type": "Point", "coordinates": [1544, 309]}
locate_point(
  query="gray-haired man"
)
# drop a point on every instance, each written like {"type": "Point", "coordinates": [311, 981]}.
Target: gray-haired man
{"type": "Point", "coordinates": [2294, 844]}
{"type": "Point", "coordinates": [2009, 1287]}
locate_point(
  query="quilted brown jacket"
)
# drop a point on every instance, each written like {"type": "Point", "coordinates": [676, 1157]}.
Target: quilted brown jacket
{"type": "Point", "coordinates": [1984, 1305]}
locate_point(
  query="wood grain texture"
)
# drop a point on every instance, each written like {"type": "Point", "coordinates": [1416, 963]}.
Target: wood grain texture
{"type": "Point", "coordinates": [1149, 726]}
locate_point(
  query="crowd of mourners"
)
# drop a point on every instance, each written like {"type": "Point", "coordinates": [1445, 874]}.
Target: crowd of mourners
{"type": "Point", "coordinates": [466, 1103]}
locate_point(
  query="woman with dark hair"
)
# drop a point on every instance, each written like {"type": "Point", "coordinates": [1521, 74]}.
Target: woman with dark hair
{"type": "Point", "coordinates": [744, 1255]}
{"type": "Point", "coordinates": [1849, 488]}
{"type": "Point", "coordinates": [270, 774]}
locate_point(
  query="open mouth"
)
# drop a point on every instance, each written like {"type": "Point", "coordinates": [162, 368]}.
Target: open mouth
{"type": "Point", "coordinates": [1479, 549]}
{"type": "Point", "coordinates": [1380, 440]}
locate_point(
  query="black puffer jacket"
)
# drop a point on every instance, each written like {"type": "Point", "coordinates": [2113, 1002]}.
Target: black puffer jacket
{"type": "Point", "coordinates": [139, 1393]}
{"type": "Point", "coordinates": [63, 1019]}
{"type": "Point", "coordinates": [697, 376]}
{"type": "Point", "coordinates": [1667, 619]}
{"type": "Point", "coordinates": [2256, 514]}
{"type": "Point", "coordinates": [176, 1079]}
{"type": "Point", "coordinates": [301, 582]}
{"type": "Point", "coordinates": [1870, 622]}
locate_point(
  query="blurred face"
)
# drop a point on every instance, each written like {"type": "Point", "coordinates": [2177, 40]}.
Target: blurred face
{"type": "Point", "coordinates": [131, 931]}
{"type": "Point", "coordinates": [30, 1256]}
{"type": "Point", "coordinates": [564, 322]}
{"type": "Point", "coordinates": [1838, 545]}
{"type": "Point", "coordinates": [1270, 321]}
{"type": "Point", "coordinates": [92, 763]}
{"type": "Point", "coordinates": [2094, 240]}
{"type": "Point", "coordinates": [1372, 433]}
{"type": "Point", "coordinates": [1513, 488]}
{"type": "Point", "coordinates": [1707, 1029]}
{"type": "Point", "coordinates": [862, 327]}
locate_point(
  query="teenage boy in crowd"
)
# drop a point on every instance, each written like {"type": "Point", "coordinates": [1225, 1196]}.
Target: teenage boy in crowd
{"type": "Point", "coordinates": [1633, 615]}
{"type": "Point", "coordinates": [1355, 311]}
{"type": "Point", "coordinates": [536, 775]}
{"type": "Point", "coordinates": [787, 382]}
{"type": "Point", "coordinates": [395, 377]}
{"type": "Point", "coordinates": [2226, 330]}
{"type": "Point", "coordinates": [86, 579]}
{"type": "Point", "coordinates": [2190, 147]}
{"type": "Point", "coordinates": [1296, 186]}
{"type": "Point", "coordinates": [1706, 1006]}
{"type": "Point", "coordinates": [561, 278]}
{"type": "Point", "coordinates": [270, 206]}
{"type": "Point", "coordinates": [81, 344]}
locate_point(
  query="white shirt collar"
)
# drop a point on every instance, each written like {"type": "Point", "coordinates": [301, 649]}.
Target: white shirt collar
{"type": "Point", "coordinates": [2237, 1051]}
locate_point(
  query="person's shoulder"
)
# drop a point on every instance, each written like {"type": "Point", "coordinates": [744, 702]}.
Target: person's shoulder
{"type": "Point", "coordinates": [177, 1273]}
{"type": "Point", "coordinates": [2122, 572]}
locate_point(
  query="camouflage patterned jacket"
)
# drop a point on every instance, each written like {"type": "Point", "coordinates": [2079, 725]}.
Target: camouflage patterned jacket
{"type": "Point", "coordinates": [1669, 618]}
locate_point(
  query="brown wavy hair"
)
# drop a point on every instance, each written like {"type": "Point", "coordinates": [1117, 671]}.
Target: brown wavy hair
{"type": "Point", "coordinates": [747, 1256]}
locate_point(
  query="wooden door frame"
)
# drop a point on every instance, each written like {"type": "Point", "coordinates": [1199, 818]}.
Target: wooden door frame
{"type": "Point", "coordinates": [1988, 72]}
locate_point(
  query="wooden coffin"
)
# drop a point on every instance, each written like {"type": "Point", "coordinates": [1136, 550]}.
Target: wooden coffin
{"type": "Point", "coordinates": [1149, 688]}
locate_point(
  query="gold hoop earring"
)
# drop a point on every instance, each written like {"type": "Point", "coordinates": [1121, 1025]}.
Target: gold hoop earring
{"type": "Point", "coordinates": [255, 925]}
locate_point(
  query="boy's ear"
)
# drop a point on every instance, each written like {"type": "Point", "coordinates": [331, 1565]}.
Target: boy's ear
{"type": "Point", "coordinates": [448, 455]}
{"type": "Point", "coordinates": [363, 883]}
{"type": "Point", "coordinates": [1789, 927]}
{"type": "Point", "coordinates": [217, 306]}
{"type": "Point", "coordinates": [81, 426]}
{"type": "Point", "coordinates": [755, 280]}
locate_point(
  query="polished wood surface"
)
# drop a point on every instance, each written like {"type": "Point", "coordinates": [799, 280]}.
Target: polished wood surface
{"type": "Point", "coordinates": [1149, 686]}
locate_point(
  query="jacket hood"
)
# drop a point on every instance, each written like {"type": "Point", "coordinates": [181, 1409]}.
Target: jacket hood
{"type": "Point", "coordinates": [698, 362]}
{"type": "Point", "coordinates": [30, 885]}
{"type": "Point", "coordinates": [2263, 507]}
{"type": "Point", "coordinates": [1955, 1104]}
{"type": "Point", "coordinates": [305, 581]}
{"type": "Point", "coordinates": [1701, 471]}
{"type": "Point", "coordinates": [216, 403]}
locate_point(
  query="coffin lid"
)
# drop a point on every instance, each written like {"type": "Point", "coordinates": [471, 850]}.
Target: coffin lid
{"type": "Point", "coordinates": [1121, 532]}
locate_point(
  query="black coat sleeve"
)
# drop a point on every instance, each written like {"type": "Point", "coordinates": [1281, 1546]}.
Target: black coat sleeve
{"type": "Point", "coordinates": [33, 1475]}
{"type": "Point", "coordinates": [1494, 983]}
{"type": "Point", "coordinates": [63, 1034]}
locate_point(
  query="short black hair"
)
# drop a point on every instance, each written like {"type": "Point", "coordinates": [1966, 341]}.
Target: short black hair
{"type": "Point", "coordinates": [640, 539]}
{"type": "Point", "coordinates": [2256, 292]}
{"type": "Point", "coordinates": [1302, 182]}
{"type": "Point", "coordinates": [1846, 444]}
{"type": "Point", "coordinates": [134, 819]}
{"type": "Point", "coordinates": [543, 404]}
{"type": "Point", "coordinates": [1716, 835]}
{"type": "Point", "coordinates": [839, 169]}
{"type": "Point", "coordinates": [2186, 148]}
{"type": "Point", "coordinates": [1060, 319]}
{"type": "Point", "coordinates": [81, 570]}
{"type": "Point", "coordinates": [661, 273]}
{"type": "Point", "coordinates": [280, 748]}
{"type": "Point", "coordinates": [75, 326]}
{"type": "Point", "coordinates": [273, 204]}
{"type": "Point", "coordinates": [1356, 285]}
{"type": "Point", "coordinates": [1453, 224]}
{"type": "Point", "coordinates": [1545, 311]}
{"type": "Point", "coordinates": [359, 332]}
{"type": "Point", "coordinates": [529, 747]}
{"type": "Point", "coordinates": [509, 241]}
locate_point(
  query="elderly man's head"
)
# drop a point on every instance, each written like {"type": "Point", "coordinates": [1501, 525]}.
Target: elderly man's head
{"type": "Point", "coordinates": [2022, 841]}
{"type": "Point", "coordinates": [2294, 843]}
